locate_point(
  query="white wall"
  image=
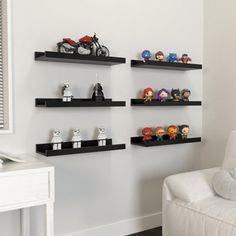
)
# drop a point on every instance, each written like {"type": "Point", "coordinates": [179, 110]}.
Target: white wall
{"type": "Point", "coordinates": [102, 188]}
{"type": "Point", "coordinates": [219, 116]}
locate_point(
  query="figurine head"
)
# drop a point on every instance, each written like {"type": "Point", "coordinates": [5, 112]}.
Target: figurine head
{"type": "Point", "coordinates": [76, 132]}
{"type": "Point", "coordinates": [66, 85]}
{"type": "Point", "coordinates": [185, 93]}
{"type": "Point", "coordinates": [97, 87]}
{"type": "Point", "coordinates": [184, 129]}
{"type": "Point", "coordinates": [175, 93]}
{"type": "Point", "coordinates": [147, 131]}
{"type": "Point", "coordinates": [162, 94]}
{"type": "Point", "coordinates": [159, 56]}
{"type": "Point", "coordinates": [172, 129]}
{"type": "Point", "coordinates": [101, 130]}
{"type": "Point", "coordinates": [146, 55]}
{"type": "Point", "coordinates": [160, 131]}
{"type": "Point", "coordinates": [148, 92]}
{"type": "Point", "coordinates": [56, 133]}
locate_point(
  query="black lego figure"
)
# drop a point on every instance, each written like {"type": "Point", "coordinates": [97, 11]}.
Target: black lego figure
{"type": "Point", "coordinates": [98, 95]}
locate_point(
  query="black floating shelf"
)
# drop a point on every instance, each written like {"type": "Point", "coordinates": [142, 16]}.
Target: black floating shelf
{"type": "Point", "coordinates": [139, 141]}
{"type": "Point", "coordinates": [140, 102]}
{"type": "Point", "coordinates": [165, 65]}
{"type": "Point", "coordinates": [76, 58]}
{"type": "Point", "coordinates": [57, 102]}
{"type": "Point", "coordinates": [87, 146]}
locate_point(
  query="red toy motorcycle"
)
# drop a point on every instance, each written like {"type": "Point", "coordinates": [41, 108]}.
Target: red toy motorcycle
{"type": "Point", "coordinates": [85, 46]}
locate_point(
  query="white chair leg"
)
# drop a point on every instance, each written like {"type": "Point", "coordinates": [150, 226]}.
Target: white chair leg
{"type": "Point", "coordinates": [25, 221]}
{"type": "Point", "coordinates": [50, 219]}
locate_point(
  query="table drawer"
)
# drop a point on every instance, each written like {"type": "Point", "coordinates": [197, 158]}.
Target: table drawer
{"type": "Point", "coordinates": [17, 189]}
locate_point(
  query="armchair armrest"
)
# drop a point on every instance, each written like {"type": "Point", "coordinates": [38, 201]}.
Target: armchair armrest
{"type": "Point", "coordinates": [191, 186]}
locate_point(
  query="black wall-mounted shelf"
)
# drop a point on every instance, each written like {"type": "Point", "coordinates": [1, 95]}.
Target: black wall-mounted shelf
{"type": "Point", "coordinates": [139, 141]}
{"type": "Point", "coordinates": [165, 65]}
{"type": "Point", "coordinates": [57, 102]}
{"type": "Point", "coordinates": [87, 146]}
{"type": "Point", "coordinates": [77, 58]}
{"type": "Point", "coordinates": [140, 102]}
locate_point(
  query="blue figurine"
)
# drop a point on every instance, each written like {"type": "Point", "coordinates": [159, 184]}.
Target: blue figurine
{"type": "Point", "coordinates": [172, 57]}
{"type": "Point", "coordinates": [146, 55]}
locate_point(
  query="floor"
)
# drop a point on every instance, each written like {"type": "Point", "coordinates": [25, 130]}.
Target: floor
{"type": "Point", "coordinates": [151, 232]}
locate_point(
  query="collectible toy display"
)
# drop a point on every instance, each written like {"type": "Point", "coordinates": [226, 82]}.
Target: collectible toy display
{"type": "Point", "coordinates": [76, 138]}
{"type": "Point", "coordinates": [87, 45]}
{"type": "Point", "coordinates": [172, 131]}
{"type": "Point", "coordinates": [101, 137]}
{"type": "Point", "coordinates": [172, 57]}
{"type": "Point", "coordinates": [184, 131]}
{"type": "Point", "coordinates": [162, 95]}
{"type": "Point", "coordinates": [160, 131]}
{"type": "Point", "coordinates": [185, 58]}
{"type": "Point", "coordinates": [146, 55]}
{"type": "Point", "coordinates": [66, 93]}
{"type": "Point", "coordinates": [98, 95]}
{"type": "Point", "coordinates": [175, 94]}
{"type": "Point", "coordinates": [147, 133]}
{"type": "Point", "coordinates": [159, 56]}
{"type": "Point", "coordinates": [56, 140]}
{"type": "Point", "coordinates": [185, 94]}
{"type": "Point", "coordinates": [148, 94]}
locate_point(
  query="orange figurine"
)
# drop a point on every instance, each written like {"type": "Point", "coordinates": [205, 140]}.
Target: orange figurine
{"type": "Point", "coordinates": [172, 131]}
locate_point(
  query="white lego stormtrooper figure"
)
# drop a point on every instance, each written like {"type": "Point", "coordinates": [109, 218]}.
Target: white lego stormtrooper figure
{"type": "Point", "coordinates": [66, 93]}
{"type": "Point", "coordinates": [56, 140]}
{"type": "Point", "coordinates": [101, 137]}
{"type": "Point", "coordinates": [76, 138]}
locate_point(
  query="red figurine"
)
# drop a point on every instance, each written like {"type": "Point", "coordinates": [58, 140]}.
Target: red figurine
{"type": "Point", "coordinates": [185, 58]}
{"type": "Point", "coordinates": [147, 133]}
{"type": "Point", "coordinates": [148, 95]}
{"type": "Point", "coordinates": [172, 131]}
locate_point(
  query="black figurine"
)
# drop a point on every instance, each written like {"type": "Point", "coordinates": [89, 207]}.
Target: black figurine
{"type": "Point", "coordinates": [175, 94]}
{"type": "Point", "coordinates": [98, 95]}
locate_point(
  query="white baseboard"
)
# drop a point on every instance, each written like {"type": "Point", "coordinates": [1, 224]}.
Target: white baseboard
{"type": "Point", "coordinates": [124, 227]}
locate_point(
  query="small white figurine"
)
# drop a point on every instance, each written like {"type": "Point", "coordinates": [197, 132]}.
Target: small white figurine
{"type": "Point", "coordinates": [56, 140]}
{"type": "Point", "coordinates": [66, 93]}
{"type": "Point", "coordinates": [101, 137]}
{"type": "Point", "coordinates": [76, 138]}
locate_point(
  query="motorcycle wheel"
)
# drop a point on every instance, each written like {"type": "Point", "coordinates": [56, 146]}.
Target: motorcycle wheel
{"type": "Point", "coordinates": [65, 48]}
{"type": "Point", "coordinates": [103, 51]}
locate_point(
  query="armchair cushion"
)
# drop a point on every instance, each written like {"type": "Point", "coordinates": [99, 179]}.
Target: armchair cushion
{"type": "Point", "coordinates": [224, 183]}
{"type": "Point", "coordinates": [191, 186]}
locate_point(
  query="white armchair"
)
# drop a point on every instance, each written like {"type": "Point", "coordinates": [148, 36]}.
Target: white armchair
{"type": "Point", "coordinates": [192, 208]}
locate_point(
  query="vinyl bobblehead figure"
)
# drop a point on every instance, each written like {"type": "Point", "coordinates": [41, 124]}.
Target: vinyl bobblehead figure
{"type": "Point", "coordinates": [172, 131]}
{"type": "Point", "coordinates": [175, 94]}
{"type": "Point", "coordinates": [162, 95]}
{"type": "Point", "coordinates": [185, 94]}
{"type": "Point", "coordinates": [148, 95]}
{"type": "Point", "coordinates": [98, 95]}
{"type": "Point", "coordinates": [56, 140]}
{"type": "Point", "coordinates": [101, 137]}
{"type": "Point", "coordinates": [147, 133]}
{"type": "Point", "coordinates": [160, 131]}
{"type": "Point", "coordinates": [184, 130]}
{"type": "Point", "coordinates": [146, 55]}
{"type": "Point", "coordinates": [160, 56]}
{"type": "Point", "coordinates": [76, 138]}
{"type": "Point", "coordinates": [66, 93]}
{"type": "Point", "coordinates": [185, 58]}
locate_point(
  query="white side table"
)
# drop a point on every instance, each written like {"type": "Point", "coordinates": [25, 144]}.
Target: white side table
{"type": "Point", "coordinates": [25, 185]}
